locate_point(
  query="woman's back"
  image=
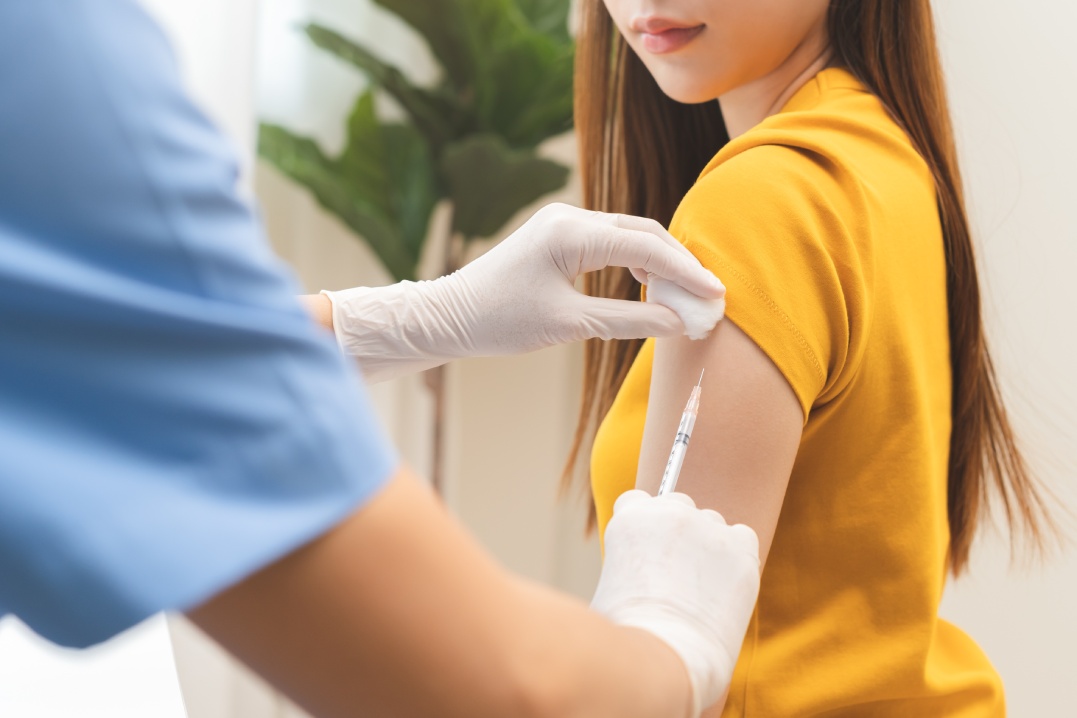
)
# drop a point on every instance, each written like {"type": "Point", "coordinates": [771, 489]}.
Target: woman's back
{"type": "Point", "coordinates": [823, 223]}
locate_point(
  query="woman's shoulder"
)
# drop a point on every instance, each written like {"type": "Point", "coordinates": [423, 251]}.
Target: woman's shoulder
{"type": "Point", "coordinates": [833, 139]}
{"type": "Point", "coordinates": [768, 184]}
{"type": "Point", "coordinates": [836, 116]}
{"type": "Point", "coordinates": [841, 161]}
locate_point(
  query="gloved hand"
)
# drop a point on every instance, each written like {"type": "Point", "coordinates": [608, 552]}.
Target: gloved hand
{"type": "Point", "coordinates": [686, 576]}
{"type": "Point", "coordinates": [520, 296]}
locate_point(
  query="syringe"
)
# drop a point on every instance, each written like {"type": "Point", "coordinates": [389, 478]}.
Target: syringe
{"type": "Point", "coordinates": [680, 444]}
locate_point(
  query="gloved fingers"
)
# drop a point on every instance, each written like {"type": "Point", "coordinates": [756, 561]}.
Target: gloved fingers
{"type": "Point", "coordinates": [744, 538]}
{"type": "Point", "coordinates": [646, 224]}
{"type": "Point", "coordinates": [602, 318]}
{"type": "Point", "coordinates": [630, 498]}
{"type": "Point", "coordinates": [648, 253]}
{"type": "Point", "coordinates": [714, 516]}
{"type": "Point", "coordinates": [679, 498]}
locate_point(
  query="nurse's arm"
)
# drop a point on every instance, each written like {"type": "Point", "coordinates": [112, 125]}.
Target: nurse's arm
{"type": "Point", "coordinates": [745, 439]}
{"type": "Point", "coordinates": [320, 309]}
{"type": "Point", "coordinates": [398, 612]}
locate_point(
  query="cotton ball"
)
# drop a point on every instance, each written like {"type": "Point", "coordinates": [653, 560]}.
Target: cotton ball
{"type": "Point", "coordinates": [699, 315]}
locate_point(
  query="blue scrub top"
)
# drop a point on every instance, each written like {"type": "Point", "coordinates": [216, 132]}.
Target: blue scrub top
{"type": "Point", "coordinates": [170, 418]}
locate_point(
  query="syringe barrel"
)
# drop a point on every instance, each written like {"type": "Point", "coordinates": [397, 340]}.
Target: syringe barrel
{"type": "Point", "coordinates": [680, 448]}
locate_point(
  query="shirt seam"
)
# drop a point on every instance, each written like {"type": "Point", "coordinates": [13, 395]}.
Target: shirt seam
{"type": "Point", "coordinates": [802, 342]}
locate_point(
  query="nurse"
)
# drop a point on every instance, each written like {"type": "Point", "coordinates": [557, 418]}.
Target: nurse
{"type": "Point", "coordinates": [177, 434]}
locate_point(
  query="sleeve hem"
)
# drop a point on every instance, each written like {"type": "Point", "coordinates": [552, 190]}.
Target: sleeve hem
{"type": "Point", "coordinates": [246, 564]}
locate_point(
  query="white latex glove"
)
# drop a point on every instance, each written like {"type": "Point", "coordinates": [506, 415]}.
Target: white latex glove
{"type": "Point", "coordinates": [520, 296]}
{"type": "Point", "coordinates": [687, 577]}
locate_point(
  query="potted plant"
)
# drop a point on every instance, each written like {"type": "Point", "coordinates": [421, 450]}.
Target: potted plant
{"type": "Point", "coordinates": [470, 140]}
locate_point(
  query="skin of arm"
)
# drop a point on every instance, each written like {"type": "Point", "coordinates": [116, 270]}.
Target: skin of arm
{"type": "Point", "coordinates": [398, 612]}
{"type": "Point", "coordinates": [319, 307]}
{"type": "Point", "coordinates": [746, 436]}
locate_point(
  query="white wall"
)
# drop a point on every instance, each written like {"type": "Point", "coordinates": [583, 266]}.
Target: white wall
{"type": "Point", "coordinates": [131, 676]}
{"type": "Point", "coordinates": [1013, 70]}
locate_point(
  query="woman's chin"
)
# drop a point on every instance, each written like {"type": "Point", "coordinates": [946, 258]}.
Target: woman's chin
{"type": "Point", "coordinates": [687, 93]}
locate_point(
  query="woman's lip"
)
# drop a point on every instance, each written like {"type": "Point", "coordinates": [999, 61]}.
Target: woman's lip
{"type": "Point", "coordinates": [669, 39]}
{"type": "Point", "coordinates": [653, 25]}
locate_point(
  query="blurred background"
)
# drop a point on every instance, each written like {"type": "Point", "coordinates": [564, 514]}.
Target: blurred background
{"type": "Point", "coordinates": [1011, 69]}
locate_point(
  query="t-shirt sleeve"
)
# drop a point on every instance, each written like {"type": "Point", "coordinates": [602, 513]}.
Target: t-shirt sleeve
{"type": "Point", "coordinates": [773, 223]}
{"type": "Point", "coordinates": [170, 418]}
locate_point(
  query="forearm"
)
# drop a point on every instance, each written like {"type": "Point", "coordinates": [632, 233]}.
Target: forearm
{"type": "Point", "coordinates": [397, 612]}
{"type": "Point", "coordinates": [579, 664]}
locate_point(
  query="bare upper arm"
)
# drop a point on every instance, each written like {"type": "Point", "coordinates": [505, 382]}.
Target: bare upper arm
{"type": "Point", "coordinates": [747, 434]}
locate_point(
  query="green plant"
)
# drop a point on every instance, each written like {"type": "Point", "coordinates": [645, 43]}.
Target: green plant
{"type": "Point", "coordinates": [471, 139]}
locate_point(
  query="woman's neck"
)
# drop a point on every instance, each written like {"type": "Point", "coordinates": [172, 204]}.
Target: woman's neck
{"type": "Point", "coordinates": [746, 106]}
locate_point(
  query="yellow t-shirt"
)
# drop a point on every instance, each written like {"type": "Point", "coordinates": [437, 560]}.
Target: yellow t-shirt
{"type": "Point", "coordinates": [823, 225]}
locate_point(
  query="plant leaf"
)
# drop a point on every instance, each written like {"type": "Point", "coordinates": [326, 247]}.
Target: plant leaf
{"type": "Point", "coordinates": [450, 27]}
{"type": "Point", "coordinates": [507, 87]}
{"type": "Point", "coordinates": [549, 17]}
{"type": "Point", "coordinates": [302, 160]}
{"type": "Point", "coordinates": [411, 173]}
{"type": "Point", "coordinates": [490, 182]}
{"type": "Point", "coordinates": [433, 113]}
{"type": "Point", "coordinates": [531, 92]}
{"type": "Point", "coordinates": [391, 164]}
{"type": "Point", "coordinates": [507, 76]}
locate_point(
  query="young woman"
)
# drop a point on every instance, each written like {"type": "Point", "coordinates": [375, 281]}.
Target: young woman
{"type": "Point", "coordinates": [850, 412]}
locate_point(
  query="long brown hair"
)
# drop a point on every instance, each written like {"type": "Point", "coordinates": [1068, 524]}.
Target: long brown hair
{"type": "Point", "coordinates": [640, 152]}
